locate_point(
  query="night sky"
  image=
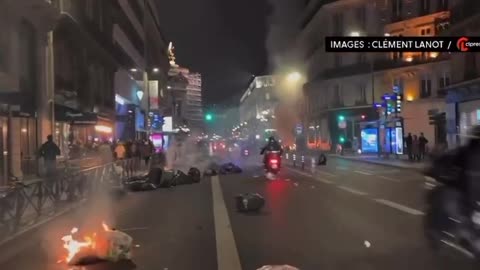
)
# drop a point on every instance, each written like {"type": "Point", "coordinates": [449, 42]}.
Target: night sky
{"type": "Point", "coordinates": [222, 39]}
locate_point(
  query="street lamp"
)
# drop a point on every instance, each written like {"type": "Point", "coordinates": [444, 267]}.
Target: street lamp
{"type": "Point", "coordinates": [140, 95]}
{"type": "Point", "coordinates": [294, 77]}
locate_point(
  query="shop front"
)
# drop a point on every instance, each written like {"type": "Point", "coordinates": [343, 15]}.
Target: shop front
{"type": "Point", "coordinates": [77, 132]}
{"type": "Point", "coordinates": [463, 111]}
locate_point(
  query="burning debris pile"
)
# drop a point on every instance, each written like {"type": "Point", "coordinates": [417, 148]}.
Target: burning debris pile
{"type": "Point", "coordinates": [105, 245]}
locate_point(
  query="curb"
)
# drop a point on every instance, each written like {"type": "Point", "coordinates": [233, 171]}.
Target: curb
{"type": "Point", "coordinates": [377, 163]}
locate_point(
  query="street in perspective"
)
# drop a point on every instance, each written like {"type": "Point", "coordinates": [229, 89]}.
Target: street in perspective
{"type": "Point", "coordinates": [199, 135]}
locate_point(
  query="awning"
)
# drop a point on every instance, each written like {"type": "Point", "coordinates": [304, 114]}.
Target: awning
{"type": "Point", "coordinates": [74, 116]}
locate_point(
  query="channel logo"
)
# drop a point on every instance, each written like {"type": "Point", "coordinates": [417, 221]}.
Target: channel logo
{"type": "Point", "coordinates": [461, 44]}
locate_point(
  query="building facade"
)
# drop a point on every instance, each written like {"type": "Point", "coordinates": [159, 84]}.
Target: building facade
{"type": "Point", "coordinates": [349, 85]}
{"type": "Point", "coordinates": [258, 106]}
{"type": "Point", "coordinates": [142, 53]}
{"type": "Point", "coordinates": [463, 95]}
{"type": "Point", "coordinates": [84, 68]}
{"type": "Point", "coordinates": [193, 101]}
{"type": "Point", "coordinates": [337, 83]}
{"type": "Point", "coordinates": [418, 77]}
{"type": "Point", "coordinates": [25, 113]}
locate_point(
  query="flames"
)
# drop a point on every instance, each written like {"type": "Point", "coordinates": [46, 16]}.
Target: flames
{"type": "Point", "coordinates": [89, 244]}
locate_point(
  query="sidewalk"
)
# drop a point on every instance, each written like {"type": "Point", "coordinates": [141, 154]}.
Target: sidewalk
{"type": "Point", "coordinates": [392, 161]}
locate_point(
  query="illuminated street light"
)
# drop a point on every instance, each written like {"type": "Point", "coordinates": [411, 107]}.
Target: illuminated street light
{"type": "Point", "coordinates": [155, 70]}
{"type": "Point", "coordinates": [294, 77]}
{"type": "Point", "coordinates": [140, 94]}
{"type": "Point", "coordinates": [133, 70]}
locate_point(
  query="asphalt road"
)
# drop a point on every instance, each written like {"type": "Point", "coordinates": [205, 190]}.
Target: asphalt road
{"type": "Point", "coordinates": [346, 215]}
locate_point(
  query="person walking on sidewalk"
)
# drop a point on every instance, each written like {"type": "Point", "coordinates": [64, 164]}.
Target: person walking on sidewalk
{"type": "Point", "coordinates": [422, 142]}
{"type": "Point", "coordinates": [49, 151]}
{"type": "Point", "coordinates": [416, 148]}
{"type": "Point", "coordinates": [408, 145]}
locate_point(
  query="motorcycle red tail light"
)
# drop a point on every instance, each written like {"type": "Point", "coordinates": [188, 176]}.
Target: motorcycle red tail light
{"type": "Point", "coordinates": [274, 161]}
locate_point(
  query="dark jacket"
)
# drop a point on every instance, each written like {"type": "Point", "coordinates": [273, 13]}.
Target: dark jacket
{"type": "Point", "coordinates": [272, 146]}
{"type": "Point", "coordinates": [49, 151]}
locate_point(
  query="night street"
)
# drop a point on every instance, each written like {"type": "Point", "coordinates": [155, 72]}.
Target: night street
{"type": "Point", "coordinates": [350, 215]}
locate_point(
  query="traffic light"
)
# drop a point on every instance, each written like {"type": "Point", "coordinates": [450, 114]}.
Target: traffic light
{"type": "Point", "coordinates": [363, 116]}
{"type": "Point", "coordinates": [341, 139]}
{"type": "Point", "coordinates": [209, 117]}
{"type": "Point", "coordinates": [341, 118]}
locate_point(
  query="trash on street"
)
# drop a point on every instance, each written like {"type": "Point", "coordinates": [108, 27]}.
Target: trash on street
{"type": "Point", "coordinates": [105, 244]}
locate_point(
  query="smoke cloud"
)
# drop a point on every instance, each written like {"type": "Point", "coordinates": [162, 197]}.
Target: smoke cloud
{"type": "Point", "coordinates": [282, 29]}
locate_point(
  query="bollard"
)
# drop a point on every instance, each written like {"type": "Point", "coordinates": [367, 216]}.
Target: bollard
{"type": "Point", "coordinates": [286, 156]}
{"type": "Point", "coordinates": [312, 165]}
{"type": "Point", "coordinates": [303, 162]}
{"type": "Point", "coordinates": [294, 160]}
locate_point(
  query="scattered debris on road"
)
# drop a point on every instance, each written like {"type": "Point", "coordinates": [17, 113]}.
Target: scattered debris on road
{"type": "Point", "coordinates": [249, 202]}
{"type": "Point", "coordinates": [106, 244]}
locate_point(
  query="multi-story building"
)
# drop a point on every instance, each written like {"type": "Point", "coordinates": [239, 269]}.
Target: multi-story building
{"type": "Point", "coordinates": [258, 105]}
{"type": "Point", "coordinates": [463, 95]}
{"type": "Point", "coordinates": [25, 83]}
{"type": "Point", "coordinates": [84, 72]}
{"type": "Point", "coordinates": [141, 51]}
{"type": "Point", "coordinates": [417, 76]}
{"type": "Point", "coordinates": [337, 83]}
{"type": "Point", "coordinates": [184, 95]}
{"type": "Point", "coordinates": [348, 84]}
{"type": "Point", "coordinates": [193, 100]}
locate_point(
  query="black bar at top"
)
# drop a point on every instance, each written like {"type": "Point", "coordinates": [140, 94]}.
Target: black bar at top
{"type": "Point", "coordinates": [402, 44]}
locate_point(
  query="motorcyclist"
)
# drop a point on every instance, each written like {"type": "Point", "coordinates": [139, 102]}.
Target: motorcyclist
{"type": "Point", "coordinates": [460, 169]}
{"type": "Point", "coordinates": [272, 146]}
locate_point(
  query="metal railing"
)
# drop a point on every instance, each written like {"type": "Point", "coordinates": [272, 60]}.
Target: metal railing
{"type": "Point", "coordinates": [23, 204]}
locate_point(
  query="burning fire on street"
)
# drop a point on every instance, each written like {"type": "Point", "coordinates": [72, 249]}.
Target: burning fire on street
{"type": "Point", "coordinates": [106, 244]}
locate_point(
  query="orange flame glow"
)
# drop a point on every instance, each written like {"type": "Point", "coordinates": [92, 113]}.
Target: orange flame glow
{"type": "Point", "coordinates": [74, 246]}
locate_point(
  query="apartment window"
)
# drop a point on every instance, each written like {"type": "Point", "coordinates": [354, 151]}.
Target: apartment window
{"type": "Point", "coordinates": [4, 48]}
{"type": "Point", "coordinates": [444, 80]}
{"type": "Point", "coordinates": [424, 7]}
{"type": "Point", "coordinates": [397, 7]}
{"type": "Point", "coordinates": [336, 95]}
{"type": "Point", "coordinates": [361, 14]}
{"type": "Point", "coordinates": [442, 5]}
{"type": "Point", "coordinates": [362, 94]}
{"type": "Point", "coordinates": [336, 60]}
{"type": "Point", "coordinates": [89, 8]}
{"type": "Point", "coordinates": [361, 58]}
{"type": "Point", "coordinates": [425, 86]}
{"type": "Point", "coordinates": [425, 32]}
{"type": "Point", "coordinates": [398, 85]}
{"type": "Point", "coordinates": [338, 24]}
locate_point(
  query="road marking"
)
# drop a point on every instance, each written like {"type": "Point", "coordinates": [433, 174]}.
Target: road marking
{"type": "Point", "coordinates": [362, 172]}
{"type": "Point", "coordinates": [400, 207]}
{"type": "Point", "coordinates": [389, 178]}
{"type": "Point", "coordinates": [227, 253]}
{"type": "Point", "coordinates": [354, 191]}
{"type": "Point", "coordinates": [301, 173]}
{"type": "Point", "coordinates": [325, 181]}
{"type": "Point", "coordinates": [327, 174]}
{"type": "Point", "coordinates": [342, 168]}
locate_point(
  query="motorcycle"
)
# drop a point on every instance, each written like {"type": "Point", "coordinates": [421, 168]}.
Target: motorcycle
{"type": "Point", "coordinates": [447, 211]}
{"type": "Point", "coordinates": [272, 162]}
